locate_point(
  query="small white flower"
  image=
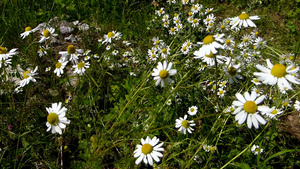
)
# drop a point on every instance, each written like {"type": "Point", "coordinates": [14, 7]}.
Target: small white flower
{"type": "Point", "coordinates": [193, 110]}
{"type": "Point", "coordinates": [184, 125]}
{"type": "Point", "coordinates": [80, 67]}
{"type": "Point", "coordinates": [297, 105]}
{"type": "Point", "coordinates": [59, 67]}
{"type": "Point", "coordinates": [243, 20]}
{"type": "Point", "coordinates": [210, 45]}
{"type": "Point", "coordinates": [169, 102]}
{"type": "Point", "coordinates": [163, 72]}
{"type": "Point", "coordinates": [148, 150]}
{"type": "Point", "coordinates": [255, 149]}
{"type": "Point", "coordinates": [56, 119]}
{"type": "Point", "coordinates": [46, 34]}
{"type": "Point", "coordinates": [273, 112]}
{"type": "Point", "coordinates": [28, 76]}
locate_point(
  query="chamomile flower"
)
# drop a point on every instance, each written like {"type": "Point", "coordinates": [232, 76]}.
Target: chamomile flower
{"type": "Point", "coordinates": [221, 92]}
{"type": "Point", "coordinates": [195, 22]}
{"type": "Point", "coordinates": [47, 69]}
{"type": "Point", "coordinates": [255, 149]}
{"type": "Point", "coordinates": [4, 54]}
{"type": "Point", "coordinates": [185, 2]}
{"type": "Point", "coordinates": [255, 81]}
{"type": "Point", "coordinates": [172, 2]}
{"type": "Point", "coordinates": [277, 74]}
{"type": "Point", "coordinates": [148, 150]}
{"type": "Point", "coordinates": [108, 47]}
{"type": "Point", "coordinates": [273, 112]}
{"type": "Point", "coordinates": [172, 31]}
{"type": "Point", "coordinates": [222, 26]}
{"type": "Point", "coordinates": [56, 119]}
{"type": "Point", "coordinates": [210, 58]}
{"type": "Point", "coordinates": [4, 62]}
{"type": "Point", "coordinates": [46, 34]}
{"type": "Point", "coordinates": [246, 41]}
{"type": "Point", "coordinates": [243, 20]}
{"type": "Point", "coordinates": [59, 67]}
{"type": "Point", "coordinates": [165, 52]}
{"type": "Point", "coordinates": [209, 19]}
{"type": "Point", "coordinates": [208, 10]}
{"type": "Point", "coordinates": [193, 110]}
{"type": "Point", "coordinates": [160, 12]}
{"type": "Point", "coordinates": [42, 51]}
{"type": "Point", "coordinates": [178, 27]}
{"type": "Point", "coordinates": [165, 17]}
{"type": "Point", "coordinates": [163, 72]}
{"type": "Point", "coordinates": [196, 8]}
{"type": "Point", "coordinates": [28, 30]}
{"type": "Point", "coordinates": [247, 108]}
{"type": "Point", "coordinates": [233, 71]}
{"type": "Point", "coordinates": [184, 125]}
{"type": "Point", "coordinates": [72, 53]}
{"type": "Point", "coordinates": [209, 45]}
{"type": "Point", "coordinates": [80, 67]}
{"type": "Point", "coordinates": [110, 35]}
{"type": "Point", "coordinates": [259, 43]}
{"type": "Point", "coordinates": [169, 102]}
{"type": "Point", "coordinates": [297, 105]}
{"type": "Point", "coordinates": [157, 41]}
{"type": "Point", "coordinates": [206, 148]}
{"type": "Point", "coordinates": [115, 52]}
{"type": "Point", "coordinates": [229, 43]}
{"type": "Point", "coordinates": [28, 76]}
{"type": "Point", "coordinates": [184, 49]}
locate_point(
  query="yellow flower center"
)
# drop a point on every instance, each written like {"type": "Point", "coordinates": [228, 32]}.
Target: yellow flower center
{"type": "Point", "coordinates": [250, 107]}
{"type": "Point", "coordinates": [46, 33]}
{"type": "Point", "coordinates": [26, 74]}
{"type": "Point", "coordinates": [28, 29]}
{"type": "Point", "coordinates": [256, 33]}
{"type": "Point", "coordinates": [274, 112]}
{"type": "Point", "coordinates": [188, 44]}
{"type": "Point", "coordinates": [147, 149]}
{"type": "Point", "coordinates": [246, 40]}
{"type": "Point", "coordinates": [227, 22]}
{"type": "Point", "coordinates": [71, 49]}
{"type": "Point", "coordinates": [228, 42]}
{"type": "Point", "coordinates": [208, 11]}
{"type": "Point", "coordinates": [195, 21]}
{"type": "Point", "coordinates": [157, 42]}
{"type": "Point", "coordinates": [164, 50]}
{"type": "Point", "coordinates": [244, 16]}
{"type": "Point", "coordinates": [211, 55]}
{"type": "Point", "coordinates": [80, 65]}
{"type": "Point", "coordinates": [110, 34]}
{"type": "Point", "coordinates": [184, 48]}
{"type": "Point", "coordinates": [178, 26]}
{"type": "Point", "coordinates": [232, 71]}
{"type": "Point", "coordinates": [175, 14]}
{"type": "Point", "coordinates": [3, 50]}
{"type": "Point", "coordinates": [207, 19]}
{"type": "Point", "coordinates": [208, 39]}
{"type": "Point", "coordinates": [172, 30]}
{"type": "Point", "coordinates": [190, 13]}
{"type": "Point", "coordinates": [58, 65]}
{"type": "Point", "coordinates": [291, 58]}
{"type": "Point", "coordinates": [52, 118]}
{"type": "Point", "coordinates": [163, 74]}
{"type": "Point", "coordinates": [221, 92]}
{"type": "Point", "coordinates": [160, 11]}
{"type": "Point", "coordinates": [286, 104]}
{"type": "Point", "coordinates": [278, 70]}
{"type": "Point", "coordinates": [255, 80]}
{"type": "Point", "coordinates": [212, 148]}
{"type": "Point", "coordinates": [153, 55]}
{"type": "Point", "coordinates": [222, 27]}
{"type": "Point", "coordinates": [192, 110]}
{"type": "Point", "coordinates": [185, 124]}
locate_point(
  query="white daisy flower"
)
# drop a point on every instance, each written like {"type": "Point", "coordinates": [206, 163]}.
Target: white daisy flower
{"type": "Point", "coordinates": [169, 102]}
{"type": "Point", "coordinates": [277, 74]}
{"type": "Point", "coordinates": [80, 67]}
{"type": "Point", "coordinates": [259, 43]}
{"type": "Point", "coordinates": [46, 34]}
{"type": "Point", "coordinates": [193, 110]}
{"type": "Point", "coordinates": [210, 58]}
{"type": "Point", "coordinates": [255, 81]}
{"type": "Point", "coordinates": [184, 125]}
{"type": "Point", "coordinates": [47, 69]}
{"type": "Point", "coordinates": [5, 62]}
{"type": "Point", "coordinates": [108, 47]}
{"type": "Point", "coordinates": [71, 53]}
{"type": "Point", "coordinates": [28, 76]}
{"type": "Point", "coordinates": [195, 22]}
{"type": "Point", "coordinates": [4, 54]}
{"type": "Point", "coordinates": [273, 112]}
{"type": "Point", "coordinates": [111, 35]}
{"type": "Point", "coordinates": [157, 41]}
{"type": "Point", "coordinates": [209, 19]}
{"type": "Point", "coordinates": [243, 20]}
{"type": "Point", "coordinates": [233, 72]}
{"type": "Point", "coordinates": [184, 49]}
{"type": "Point", "coordinates": [246, 41]}
{"type": "Point", "coordinates": [148, 150]}
{"type": "Point", "coordinates": [229, 43]}
{"type": "Point", "coordinates": [172, 31]}
{"type": "Point", "coordinates": [297, 105]}
{"type": "Point", "coordinates": [221, 92]}
{"type": "Point", "coordinates": [247, 108]}
{"type": "Point", "coordinates": [115, 52]}
{"type": "Point", "coordinates": [208, 10]}
{"type": "Point", "coordinates": [163, 72]}
{"type": "Point", "coordinates": [165, 18]}
{"type": "Point", "coordinates": [178, 27]}
{"type": "Point", "coordinates": [28, 30]}
{"type": "Point", "coordinates": [59, 67]}
{"type": "Point", "coordinates": [210, 45]}
{"type": "Point", "coordinates": [206, 147]}
{"type": "Point", "coordinates": [56, 119]}
{"type": "Point", "coordinates": [255, 149]}
{"type": "Point", "coordinates": [185, 2]}
{"type": "Point", "coordinates": [165, 52]}
{"type": "Point", "coordinates": [196, 8]}
{"type": "Point", "coordinates": [42, 51]}
{"type": "Point", "coordinates": [160, 12]}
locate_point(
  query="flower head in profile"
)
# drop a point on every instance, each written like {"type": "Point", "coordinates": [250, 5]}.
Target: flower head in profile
{"type": "Point", "coordinates": [148, 150]}
{"type": "Point", "coordinates": [297, 105]}
{"type": "Point", "coordinates": [243, 20]}
{"type": "Point", "coordinates": [277, 74]}
{"type": "Point", "coordinates": [184, 125]}
{"type": "Point", "coordinates": [28, 30]}
{"type": "Point", "coordinates": [28, 76]}
{"type": "Point", "coordinates": [56, 119]}
{"type": "Point", "coordinates": [210, 44]}
{"type": "Point", "coordinates": [163, 72]}
{"type": "Point", "coordinates": [247, 107]}
{"type": "Point", "coordinates": [4, 54]}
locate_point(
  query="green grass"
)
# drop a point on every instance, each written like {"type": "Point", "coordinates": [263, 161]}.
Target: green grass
{"type": "Point", "coordinates": [110, 110]}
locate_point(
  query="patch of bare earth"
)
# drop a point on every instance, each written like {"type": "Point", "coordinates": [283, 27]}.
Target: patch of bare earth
{"type": "Point", "coordinates": [291, 124]}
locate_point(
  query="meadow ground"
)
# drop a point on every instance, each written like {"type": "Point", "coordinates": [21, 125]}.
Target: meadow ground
{"type": "Point", "coordinates": [149, 84]}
